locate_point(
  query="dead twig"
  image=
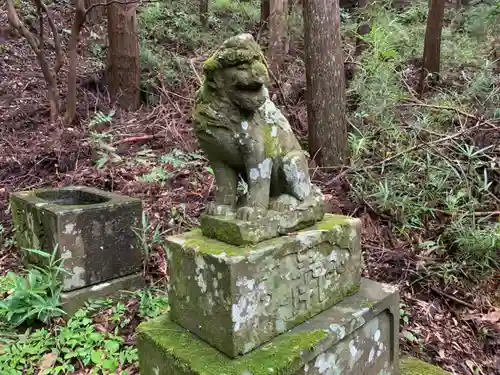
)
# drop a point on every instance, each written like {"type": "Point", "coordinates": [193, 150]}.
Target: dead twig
{"type": "Point", "coordinates": [416, 103]}
{"type": "Point", "coordinates": [453, 298]}
{"type": "Point", "coordinates": [134, 139]}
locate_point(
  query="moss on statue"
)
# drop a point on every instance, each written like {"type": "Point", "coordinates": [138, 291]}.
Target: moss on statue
{"type": "Point", "coordinates": [413, 366]}
{"type": "Point", "coordinates": [167, 343]}
{"type": "Point", "coordinates": [243, 133]}
{"type": "Point", "coordinates": [204, 245]}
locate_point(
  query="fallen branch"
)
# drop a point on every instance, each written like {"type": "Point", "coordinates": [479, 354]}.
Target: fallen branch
{"type": "Point", "coordinates": [134, 139]}
{"type": "Point", "coordinates": [417, 103]}
{"type": "Point", "coordinates": [453, 298]}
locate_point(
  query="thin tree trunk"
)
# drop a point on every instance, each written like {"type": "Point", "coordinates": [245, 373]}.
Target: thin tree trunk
{"type": "Point", "coordinates": [432, 45]}
{"type": "Point", "coordinates": [204, 13]}
{"type": "Point", "coordinates": [123, 58]}
{"type": "Point", "coordinates": [277, 47]}
{"type": "Point", "coordinates": [325, 83]}
{"type": "Point", "coordinates": [264, 13]}
{"type": "Point", "coordinates": [78, 23]}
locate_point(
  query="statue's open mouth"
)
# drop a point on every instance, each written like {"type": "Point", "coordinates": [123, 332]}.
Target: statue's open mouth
{"type": "Point", "coordinates": [254, 87]}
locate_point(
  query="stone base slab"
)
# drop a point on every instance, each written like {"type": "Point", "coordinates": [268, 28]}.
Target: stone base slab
{"type": "Point", "coordinates": [357, 336]}
{"type": "Point", "coordinates": [237, 298]}
{"type": "Point", "coordinates": [74, 300]}
{"type": "Point", "coordinates": [238, 232]}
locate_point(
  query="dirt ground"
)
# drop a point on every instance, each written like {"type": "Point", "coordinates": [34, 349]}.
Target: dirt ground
{"type": "Point", "coordinates": [457, 329]}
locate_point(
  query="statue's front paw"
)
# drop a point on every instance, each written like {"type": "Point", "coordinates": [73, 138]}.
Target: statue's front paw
{"type": "Point", "coordinates": [214, 209]}
{"type": "Point", "coordinates": [250, 213]}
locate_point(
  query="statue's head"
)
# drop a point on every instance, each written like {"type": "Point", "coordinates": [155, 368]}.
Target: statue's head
{"type": "Point", "coordinates": [238, 71]}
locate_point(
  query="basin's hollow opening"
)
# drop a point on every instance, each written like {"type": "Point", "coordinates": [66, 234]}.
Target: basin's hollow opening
{"type": "Point", "coordinates": [67, 197]}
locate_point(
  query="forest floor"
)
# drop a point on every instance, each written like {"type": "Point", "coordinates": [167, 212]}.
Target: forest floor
{"type": "Point", "coordinates": [450, 297]}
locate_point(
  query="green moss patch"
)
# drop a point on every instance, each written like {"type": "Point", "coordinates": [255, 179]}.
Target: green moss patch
{"type": "Point", "coordinates": [413, 366]}
{"type": "Point", "coordinates": [173, 347]}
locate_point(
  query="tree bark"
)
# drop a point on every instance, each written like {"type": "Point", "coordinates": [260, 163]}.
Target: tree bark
{"type": "Point", "coordinates": [78, 22]}
{"type": "Point", "coordinates": [123, 71]}
{"type": "Point", "coordinates": [325, 83]}
{"type": "Point", "coordinates": [432, 43]}
{"type": "Point", "coordinates": [264, 13]}
{"type": "Point", "coordinates": [277, 48]}
{"type": "Point", "coordinates": [204, 13]}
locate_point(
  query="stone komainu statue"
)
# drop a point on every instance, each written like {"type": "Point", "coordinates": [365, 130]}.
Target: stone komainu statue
{"type": "Point", "coordinates": [243, 134]}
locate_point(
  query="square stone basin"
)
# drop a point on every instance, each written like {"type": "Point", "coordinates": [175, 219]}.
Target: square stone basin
{"type": "Point", "coordinates": [92, 228]}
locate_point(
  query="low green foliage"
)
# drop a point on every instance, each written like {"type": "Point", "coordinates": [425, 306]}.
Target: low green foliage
{"type": "Point", "coordinates": [81, 341]}
{"type": "Point", "coordinates": [34, 295]}
{"type": "Point", "coordinates": [170, 35]}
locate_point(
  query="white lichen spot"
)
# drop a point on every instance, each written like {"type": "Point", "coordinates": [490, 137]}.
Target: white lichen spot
{"type": "Point", "coordinates": [254, 174]}
{"type": "Point", "coordinates": [338, 330]}
{"type": "Point", "coordinates": [270, 369]}
{"type": "Point", "coordinates": [200, 266]}
{"type": "Point", "coordinates": [353, 233]}
{"type": "Point", "coordinates": [244, 125]}
{"type": "Point", "coordinates": [352, 349]}
{"type": "Point", "coordinates": [68, 228]}
{"type": "Point", "coordinates": [156, 370]}
{"type": "Point", "coordinates": [371, 355]}
{"type": "Point", "coordinates": [66, 254]}
{"type": "Point", "coordinates": [306, 368]}
{"type": "Point", "coordinates": [212, 268]}
{"type": "Point", "coordinates": [376, 337]}
{"type": "Point", "coordinates": [97, 287]}
{"type": "Point", "coordinates": [76, 279]}
{"type": "Point", "coordinates": [388, 288]}
{"type": "Point", "coordinates": [265, 168]}
{"type": "Point", "coordinates": [274, 131]}
{"type": "Point", "coordinates": [280, 325]}
{"type": "Point", "coordinates": [326, 363]}
{"type": "Point", "coordinates": [333, 257]}
{"type": "Point", "coordinates": [248, 305]}
{"type": "Point", "coordinates": [380, 349]}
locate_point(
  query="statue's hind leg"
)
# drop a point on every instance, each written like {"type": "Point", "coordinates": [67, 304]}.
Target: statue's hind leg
{"type": "Point", "coordinates": [296, 173]}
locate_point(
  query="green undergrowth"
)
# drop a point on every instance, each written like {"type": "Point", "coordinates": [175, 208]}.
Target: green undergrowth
{"type": "Point", "coordinates": [422, 161]}
{"type": "Point", "coordinates": [171, 36]}
{"type": "Point", "coordinates": [95, 337]}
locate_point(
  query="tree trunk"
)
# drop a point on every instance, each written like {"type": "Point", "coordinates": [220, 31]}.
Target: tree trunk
{"type": "Point", "coordinates": [325, 83]}
{"type": "Point", "coordinates": [123, 69]}
{"type": "Point", "coordinates": [264, 13]}
{"type": "Point", "coordinates": [204, 13]}
{"type": "Point", "coordinates": [432, 44]}
{"type": "Point", "coordinates": [78, 22]}
{"type": "Point", "coordinates": [364, 27]}
{"type": "Point", "coordinates": [277, 48]}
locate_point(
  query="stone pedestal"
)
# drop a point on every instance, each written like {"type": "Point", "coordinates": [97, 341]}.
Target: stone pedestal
{"type": "Point", "coordinates": [238, 297]}
{"type": "Point", "coordinates": [293, 304]}
{"type": "Point", "coordinates": [93, 232]}
{"type": "Point", "coordinates": [356, 336]}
